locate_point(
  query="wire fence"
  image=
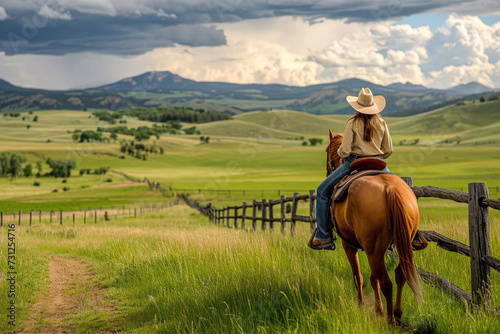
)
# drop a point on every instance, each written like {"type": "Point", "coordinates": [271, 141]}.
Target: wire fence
{"type": "Point", "coordinates": [84, 216]}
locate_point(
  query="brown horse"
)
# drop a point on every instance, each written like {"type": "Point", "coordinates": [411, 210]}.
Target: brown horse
{"type": "Point", "coordinates": [378, 210]}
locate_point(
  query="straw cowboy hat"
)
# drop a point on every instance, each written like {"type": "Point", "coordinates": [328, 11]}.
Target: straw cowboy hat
{"type": "Point", "coordinates": [366, 103]}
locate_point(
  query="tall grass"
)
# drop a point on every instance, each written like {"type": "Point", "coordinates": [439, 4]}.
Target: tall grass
{"type": "Point", "coordinates": [175, 273]}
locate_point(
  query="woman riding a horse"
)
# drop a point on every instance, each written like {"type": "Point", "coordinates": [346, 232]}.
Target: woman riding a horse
{"type": "Point", "coordinates": [377, 210]}
{"type": "Point", "coordinates": [365, 135]}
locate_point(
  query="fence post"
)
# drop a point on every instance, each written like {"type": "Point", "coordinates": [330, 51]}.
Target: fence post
{"type": "Point", "coordinates": [19, 218]}
{"type": "Point", "coordinates": [60, 217]}
{"type": "Point", "coordinates": [95, 216]}
{"type": "Point", "coordinates": [283, 213]}
{"type": "Point", "coordinates": [479, 240]}
{"type": "Point", "coordinates": [31, 216]}
{"type": "Point", "coordinates": [1, 219]}
{"type": "Point", "coordinates": [51, 216]}
{"type": "Point", "coordinates": [264, 214]}
{"type": "Point", "coordinates": [73, 219]}
{"type": "Point", "coordinates": [227, 216]}
{"type": "Point", "coordinates": [236, 217]}
{"type": "Point", "coordinates": [312, 211]}
{"type": "Point", "coordinates": [271, 215]}
{"type": "Point", "coordinates": [408, 180]}
{"type": "Point", "coordinates": [40, 217]}
{"type": "Point", "coordinates": [254, 215]}
{"type": "Point", "coordinates": [244, 216]}
{"type": "Point", "coordinates": [295, 208]}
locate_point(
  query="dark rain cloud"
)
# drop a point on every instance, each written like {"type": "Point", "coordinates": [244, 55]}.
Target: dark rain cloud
{"type": "Point", "coordinates": [133, 27]}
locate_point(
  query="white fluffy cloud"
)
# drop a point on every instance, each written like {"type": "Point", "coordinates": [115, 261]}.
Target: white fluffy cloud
{"type": "Point", "coordinates": [464, 49]}
{"type": "Point", "coordinates": [3, 14]}
{"type": "Point", "coordinates": [379, 52]}
{"type": "Point", "coordinates": [52, 13]}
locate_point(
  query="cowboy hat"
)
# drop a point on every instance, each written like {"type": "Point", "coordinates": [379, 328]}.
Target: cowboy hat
{"type": "Point", "coordinates": [366, 103]}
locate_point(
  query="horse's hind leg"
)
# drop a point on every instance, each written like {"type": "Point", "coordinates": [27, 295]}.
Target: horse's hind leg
{"type": "Point", "coordinates": [400, 281]}
{"type": "Point", "coordinates": [352, 256]}
{"type": "Point", "coordinates": [381, 276]}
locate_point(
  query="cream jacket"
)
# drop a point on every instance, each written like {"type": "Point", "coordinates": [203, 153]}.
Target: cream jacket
{"type": "Point", "coordinates": [353, 142]}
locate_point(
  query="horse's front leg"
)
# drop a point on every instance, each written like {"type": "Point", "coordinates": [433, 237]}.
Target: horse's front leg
{"type": "Point", "coordinates": [352, 256]}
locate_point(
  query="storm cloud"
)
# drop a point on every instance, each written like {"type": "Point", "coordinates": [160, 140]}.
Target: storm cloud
{"type": "Point", "coordinates": [131, 27]}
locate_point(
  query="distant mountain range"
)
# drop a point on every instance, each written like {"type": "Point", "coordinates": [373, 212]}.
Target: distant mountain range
{"type": "Point", "coordinates": [154, 89]}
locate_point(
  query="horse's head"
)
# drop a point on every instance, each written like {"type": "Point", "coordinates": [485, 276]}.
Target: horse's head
{"type": "Point", "coordinates": [332, 158]}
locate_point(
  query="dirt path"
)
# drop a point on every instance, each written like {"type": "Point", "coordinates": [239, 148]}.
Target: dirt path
{"type": "Point", "coordinates": [74, 298]}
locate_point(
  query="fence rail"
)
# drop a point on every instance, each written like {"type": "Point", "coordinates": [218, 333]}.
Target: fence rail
{"type": "Point", "coordinates": [479, 250]}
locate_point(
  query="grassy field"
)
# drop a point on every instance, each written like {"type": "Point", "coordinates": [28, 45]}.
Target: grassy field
{"type": "Point", "coordinates": [174, 272]}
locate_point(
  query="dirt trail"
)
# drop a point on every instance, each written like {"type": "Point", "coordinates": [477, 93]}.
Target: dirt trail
{"type": "Point", "coordinates": [73, 290]}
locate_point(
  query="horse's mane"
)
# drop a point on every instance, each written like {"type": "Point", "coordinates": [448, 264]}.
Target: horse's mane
{"type": "Point", "coordinates": [334, 146]}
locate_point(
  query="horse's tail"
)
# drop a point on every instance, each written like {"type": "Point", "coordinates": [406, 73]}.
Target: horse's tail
{"type": "Point", "coordinates": [402, 220]}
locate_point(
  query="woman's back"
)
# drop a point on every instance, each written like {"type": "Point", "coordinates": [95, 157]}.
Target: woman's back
{"type": "Point", "coordinates": [366, 135]}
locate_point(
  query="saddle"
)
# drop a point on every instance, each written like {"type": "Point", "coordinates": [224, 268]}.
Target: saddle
{"type": "Point", "coordinates": [359, 168]}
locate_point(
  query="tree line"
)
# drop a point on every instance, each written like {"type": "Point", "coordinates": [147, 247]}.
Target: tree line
{"type": "Point", "coordinates": [180, 114]}
{"type": "Point", "coordinates": [163, 115]}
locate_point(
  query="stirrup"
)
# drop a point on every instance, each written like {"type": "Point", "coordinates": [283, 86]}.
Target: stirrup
{"type": "Point", "coordinates": [418, 242]}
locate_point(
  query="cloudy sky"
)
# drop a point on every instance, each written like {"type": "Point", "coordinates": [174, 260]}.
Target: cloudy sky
{"type": "Point", "coordinates": [62, 44]}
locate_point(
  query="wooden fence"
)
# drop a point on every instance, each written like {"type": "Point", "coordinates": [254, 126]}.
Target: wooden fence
{"type": "Point", "coordinates": [90, 215]}
{"type": "Point", "coordinates": [267, 219]}
{"type": "Point", "coordinates": [479, 250]}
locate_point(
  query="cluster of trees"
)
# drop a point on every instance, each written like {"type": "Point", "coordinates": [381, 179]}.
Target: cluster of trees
{"type": "Point", "coordinates": [11, 164]}
{"type": "Point", "coordinates": [60, 168]}
{"type": "Point", "coordinates": [414, 142]}
{"type": "Point", "coordinates": [143, 132]}
{"type": "Point", "coordinates": [204, 140]}
{"type": "Point", "coordinates": [192, 131]}
{"type": "Point", "coordinates": [12, 114]}
{"type": "Point", "coordinates": [96, 171]}
{"type": "Point", "coordinates": [313, 141]}
{"type": "Point", "coordinates": [86, 136]}
{"type": "Point", "coordinates": [491, 97]}
{"type": "Point", "coordinates": [139, 150]}
{"type": "Point", "coordinates": [140, 133]}
{"type": "Point", "coordinates": [16, 114]}
{"type": "Point", "coordinates": [180, 114]}
{"type": "Point", "coordinates": [106, 116]}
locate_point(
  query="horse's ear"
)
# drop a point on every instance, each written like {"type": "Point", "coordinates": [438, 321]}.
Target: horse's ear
{"type": "Point", "coordinates": [331, 134]}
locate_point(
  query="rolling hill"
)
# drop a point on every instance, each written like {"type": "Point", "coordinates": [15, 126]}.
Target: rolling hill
{"type": "Point", "coordinates": [153, 89]}
{"type": "Point", "coordinates": [470, 123]}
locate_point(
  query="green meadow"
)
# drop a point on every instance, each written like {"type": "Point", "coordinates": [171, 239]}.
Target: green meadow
{"type": "Point", "coordinates": [174, 272]}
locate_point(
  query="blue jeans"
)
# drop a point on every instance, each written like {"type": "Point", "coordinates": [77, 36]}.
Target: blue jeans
{"type": "Point", "coordinates": [323, 194]}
